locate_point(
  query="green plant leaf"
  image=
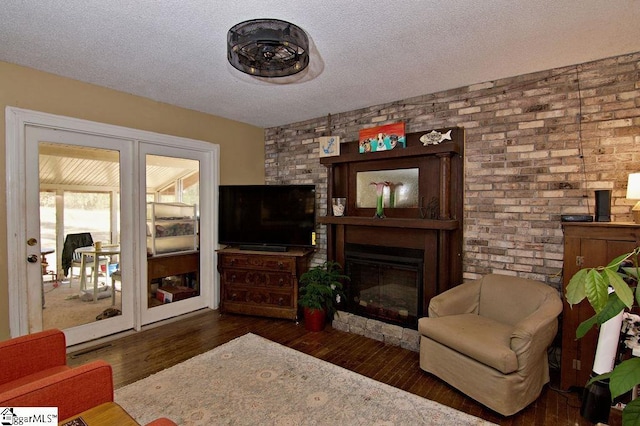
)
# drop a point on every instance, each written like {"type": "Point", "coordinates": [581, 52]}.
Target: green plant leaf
{"type": "Point", "coordinates": [585, 326]}
{"type": "Point", "coordinates": [611, 309]}
{"type": "Point", "coordinates": [631, 413]}
{"type": "Point", "coordinates": [594, 282]}
{"type": "Point", "coordinates": [621, 288]}
{"type": "Point", "coordinates": [596, 289]}
{"type": "Point", "coordinates": [615, 262]}
{"type": "Point", "coordinates": [631, 271]}
{"type": "Point", "coordinates": [624, 377]}
{"type": "Point", "coordinates": [575, 291]}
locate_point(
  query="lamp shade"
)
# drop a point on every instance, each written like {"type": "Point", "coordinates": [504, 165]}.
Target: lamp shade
{"type": "Point", "coordinates": [633, 187]}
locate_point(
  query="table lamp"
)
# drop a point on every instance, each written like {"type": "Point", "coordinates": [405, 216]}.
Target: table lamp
{"type": "Point", "coordinates": [633, 193]}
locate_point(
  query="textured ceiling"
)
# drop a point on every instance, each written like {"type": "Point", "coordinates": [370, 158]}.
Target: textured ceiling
{"type": "Point", "coordinates": [364, 52]}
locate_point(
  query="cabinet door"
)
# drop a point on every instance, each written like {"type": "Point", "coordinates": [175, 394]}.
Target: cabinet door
{"type": "Point", "coordinates": [578, 355]}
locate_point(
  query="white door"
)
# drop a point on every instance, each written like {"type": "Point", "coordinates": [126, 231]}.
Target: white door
{"type": "Point", "coordinates": [83, 177]}
{"type": "Point", "coordinates": [177, 273]}
{"type": "Point", "coordinates": [31, 136]}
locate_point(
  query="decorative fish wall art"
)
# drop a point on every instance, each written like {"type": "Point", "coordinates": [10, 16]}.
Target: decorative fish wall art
{"type": "Point", "coordinates": [434, 138]}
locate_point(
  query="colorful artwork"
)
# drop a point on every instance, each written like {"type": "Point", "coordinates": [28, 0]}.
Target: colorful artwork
{"type": "Point", "coordinates": [382, 138]}
{"type": "Point", "coordinates": [329, 146]}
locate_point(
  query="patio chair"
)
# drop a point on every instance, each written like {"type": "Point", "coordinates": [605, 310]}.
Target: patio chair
{"type": "Point", "coordinates": [71, 259]}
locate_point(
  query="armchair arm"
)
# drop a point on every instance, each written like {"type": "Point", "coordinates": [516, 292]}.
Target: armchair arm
{"type": "Point", "coordinates": [162, 421]}
{"type": "Point", "coordinates": [25, 355]}
{"type": "Point", "coordinates": [534, 334]}
{"type": "Point", "coordinates": [462, 299]}
{"type": "Point", "coordinates": [72, 391]}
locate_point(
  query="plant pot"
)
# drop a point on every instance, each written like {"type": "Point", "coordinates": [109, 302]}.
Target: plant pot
{"type": "Point", "coordinates": [314, 319]}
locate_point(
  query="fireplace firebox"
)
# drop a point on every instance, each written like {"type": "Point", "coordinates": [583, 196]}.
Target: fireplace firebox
{"type": "Point", "coordinates": [385, 283]}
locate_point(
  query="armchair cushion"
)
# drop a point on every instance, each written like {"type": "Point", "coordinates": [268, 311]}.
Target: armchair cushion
{"type": "Point", "coordinates": [162, 421]}
{"type": "Point", "coordinates": [485, 340]}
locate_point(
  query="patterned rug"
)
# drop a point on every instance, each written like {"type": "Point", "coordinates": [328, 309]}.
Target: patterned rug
{"type": "Point", "coordinates": [253, 381]}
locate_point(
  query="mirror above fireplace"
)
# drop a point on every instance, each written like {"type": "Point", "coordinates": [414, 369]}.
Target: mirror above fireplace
{"type": "Point", "coordinates": [402, 190]}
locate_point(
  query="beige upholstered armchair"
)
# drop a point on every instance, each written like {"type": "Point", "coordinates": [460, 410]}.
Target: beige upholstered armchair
{"type": "Point", "coordinates": [489, 337]}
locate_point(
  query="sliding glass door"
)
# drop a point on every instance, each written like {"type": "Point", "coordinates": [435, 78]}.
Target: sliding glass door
{"type": "Point", "coordinates": [177, 271]}
{"type": "Point", "coordinates": [75, 222]}
{"type": "Point", "coordinates": [105, 215]}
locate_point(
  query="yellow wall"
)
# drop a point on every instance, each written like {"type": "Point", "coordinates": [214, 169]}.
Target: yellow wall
{"type": "Point", "coordinates": [241, 145]}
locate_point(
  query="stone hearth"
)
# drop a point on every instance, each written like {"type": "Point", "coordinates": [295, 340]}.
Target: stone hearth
{"type": "Point", "coordinates": [395, 335]}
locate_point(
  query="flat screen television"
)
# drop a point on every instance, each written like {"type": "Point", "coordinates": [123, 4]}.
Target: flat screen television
{"type": "Point", "coordinates": [267, 217]}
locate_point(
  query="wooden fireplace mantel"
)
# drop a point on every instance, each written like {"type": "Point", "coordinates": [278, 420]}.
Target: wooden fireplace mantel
{"type": "Point", "coordinates": [391, 222]}
{"type": "Point", "coordinates": [438, 233]}
{"type": "Point", "coordinates": [410, 151]}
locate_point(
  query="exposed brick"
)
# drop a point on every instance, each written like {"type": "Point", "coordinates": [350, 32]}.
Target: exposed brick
{"type": "Point", "coordinates": [524, 138]}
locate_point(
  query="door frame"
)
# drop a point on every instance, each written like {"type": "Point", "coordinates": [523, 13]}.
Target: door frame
{"type": "Point", "coordinates": [16, 120]}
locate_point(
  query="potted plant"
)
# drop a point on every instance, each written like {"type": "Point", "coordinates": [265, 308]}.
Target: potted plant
{"type": "Point", "coordinates": [320, 292]}
{"type": "Point", "coordinates": [593, 284]}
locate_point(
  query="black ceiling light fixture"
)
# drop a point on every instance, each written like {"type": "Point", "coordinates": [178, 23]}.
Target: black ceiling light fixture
{"type": "Point", "coordinates": [268, 48]}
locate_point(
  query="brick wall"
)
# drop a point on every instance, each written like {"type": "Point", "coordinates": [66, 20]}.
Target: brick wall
{"type": "Point", "coordinates": [537, 146]}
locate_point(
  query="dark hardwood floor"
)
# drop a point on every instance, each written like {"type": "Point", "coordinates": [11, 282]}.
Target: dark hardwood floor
{"type": "Point", "coordinates": [136, 356]}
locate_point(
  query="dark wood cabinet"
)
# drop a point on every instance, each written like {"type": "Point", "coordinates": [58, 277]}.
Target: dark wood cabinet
{"type": "Point", "coordinates": [261, 283]}
{"type": "Point", "coordinates": [587, 245]}
{"type": "Point", "coordinates": [186, 266]}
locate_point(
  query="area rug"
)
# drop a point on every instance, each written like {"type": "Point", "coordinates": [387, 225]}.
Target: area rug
{"type": "Point", "coordinates": [253, 381]}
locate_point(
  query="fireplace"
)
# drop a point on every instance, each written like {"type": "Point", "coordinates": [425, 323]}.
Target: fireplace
{"type": "Point", "coordinates": [385, 283]}
{"type": "Point", "coordinates": [400, 261]}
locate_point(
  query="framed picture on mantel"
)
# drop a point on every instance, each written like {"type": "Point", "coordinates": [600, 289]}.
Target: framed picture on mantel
{"type": "Point", "coordinates": [382, 138]}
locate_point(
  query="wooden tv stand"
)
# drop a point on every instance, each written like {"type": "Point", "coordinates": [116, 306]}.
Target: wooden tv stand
{"type": "Point", "coordinates": [261, 283]}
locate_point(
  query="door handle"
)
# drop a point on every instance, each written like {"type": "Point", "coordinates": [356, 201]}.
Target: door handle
{"type": "Point", "coordinates": [32, 258]}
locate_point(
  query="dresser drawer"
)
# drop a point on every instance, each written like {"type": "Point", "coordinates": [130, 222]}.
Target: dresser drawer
{"type": "Point", "coordinates": [234, 277]}
{"type": "Point", "coordinates": [258, 296]}
{"type": "Point", "coordinates": [271, 263]}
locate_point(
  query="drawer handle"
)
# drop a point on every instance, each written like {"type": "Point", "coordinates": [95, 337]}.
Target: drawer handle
{"type": "Point", "coordinates": [281, 301]}
{"type": "Point", "coordinates": [280, 265]}
{"type": "Point", "coordinates": [232, 262]}
{"type": "Point", "coordinates": [281, 282]}
{"type": "Point", "coordinates": [234, 296]}
{"type": "Point", "coordinates": [233, 278]}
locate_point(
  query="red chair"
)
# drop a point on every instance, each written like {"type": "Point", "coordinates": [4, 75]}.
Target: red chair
{"type": "Point", "coordinates": [34, 373]}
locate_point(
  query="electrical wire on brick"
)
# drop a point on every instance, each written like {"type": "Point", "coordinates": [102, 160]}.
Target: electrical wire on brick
{"type": "Point", "coordinates": [580, 146]}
